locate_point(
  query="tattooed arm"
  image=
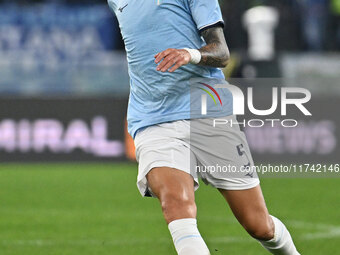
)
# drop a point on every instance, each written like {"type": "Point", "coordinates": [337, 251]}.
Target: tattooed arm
{"type": "Point", "coordinates": [216, 52]}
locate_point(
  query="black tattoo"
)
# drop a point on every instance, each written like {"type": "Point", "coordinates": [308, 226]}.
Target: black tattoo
{"type": "Point", "coordinates": [216, 52]}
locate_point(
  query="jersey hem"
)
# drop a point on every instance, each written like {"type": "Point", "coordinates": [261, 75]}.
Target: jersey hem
{"type": "Point", "coordinates": [184, 116]}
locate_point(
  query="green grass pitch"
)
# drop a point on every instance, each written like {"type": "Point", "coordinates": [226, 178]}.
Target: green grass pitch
{"type": "Point", "coordinates": [83, 209]}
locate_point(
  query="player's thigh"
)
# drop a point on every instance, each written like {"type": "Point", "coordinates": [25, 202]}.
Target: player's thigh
{"type": "Point", "coordinates": [250, 209]}
{"type": "Point", "coordinates": [175, 191]}
{"type": "Point", "coordinates": [166, 181]}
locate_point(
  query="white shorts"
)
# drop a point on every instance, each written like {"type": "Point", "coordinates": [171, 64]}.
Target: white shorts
{"type": "Point", "coordinates": [219, 154]}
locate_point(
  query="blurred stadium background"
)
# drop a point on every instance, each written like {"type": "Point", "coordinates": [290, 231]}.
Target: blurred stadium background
{"type": "Point", "coordinates": [67, 170]}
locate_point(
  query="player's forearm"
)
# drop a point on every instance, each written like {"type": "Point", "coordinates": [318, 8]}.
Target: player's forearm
{"type": "Point", "coordinates": [216, 52]}
{"type": "Point", "coordinates": [214, 55]}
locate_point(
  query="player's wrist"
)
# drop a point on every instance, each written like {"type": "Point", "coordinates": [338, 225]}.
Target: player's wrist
{"type": "Point", "coordinates": [195, 56]}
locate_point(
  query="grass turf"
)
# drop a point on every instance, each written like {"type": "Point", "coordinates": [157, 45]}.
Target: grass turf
{"type": "Point", "coordinates": [71, 209]}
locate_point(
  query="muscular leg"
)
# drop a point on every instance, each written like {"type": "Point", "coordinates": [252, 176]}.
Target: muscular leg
{"type": "Point", "coordinates": [250, 209]}
{"type": "Point", "coordinates": [175, 191]}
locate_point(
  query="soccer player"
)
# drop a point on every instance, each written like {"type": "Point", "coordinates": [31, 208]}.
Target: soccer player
{"type": "Point", "coordinates": [173, 46]}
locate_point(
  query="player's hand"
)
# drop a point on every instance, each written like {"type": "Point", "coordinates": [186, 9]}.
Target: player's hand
{"type": "Point", "coordinates": [172, 59]}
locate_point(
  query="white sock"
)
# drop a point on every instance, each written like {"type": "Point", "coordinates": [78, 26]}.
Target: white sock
{"type": "Point", "coordinates": [282, 243]}
{"type": "Point", "coordinates": [187, 238]}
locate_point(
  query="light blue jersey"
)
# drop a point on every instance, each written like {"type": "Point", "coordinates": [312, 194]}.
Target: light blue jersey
{"type": "Point", "coordinates": [152, 26]}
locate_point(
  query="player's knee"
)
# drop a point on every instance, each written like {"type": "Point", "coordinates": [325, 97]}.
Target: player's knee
{"type": "Point", "coordinates": [261, 230]}
{"type": "Point", "coordinates": [177, 205]}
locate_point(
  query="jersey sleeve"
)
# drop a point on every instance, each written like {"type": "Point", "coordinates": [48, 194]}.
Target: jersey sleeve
{"type": "Point", "coordinates": [206, 13]}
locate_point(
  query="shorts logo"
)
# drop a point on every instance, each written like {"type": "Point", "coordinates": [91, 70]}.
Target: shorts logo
{"type": "Point", "coordinates": [210, 94]}
{"type": "Point", "coordinates": [122, 8]}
